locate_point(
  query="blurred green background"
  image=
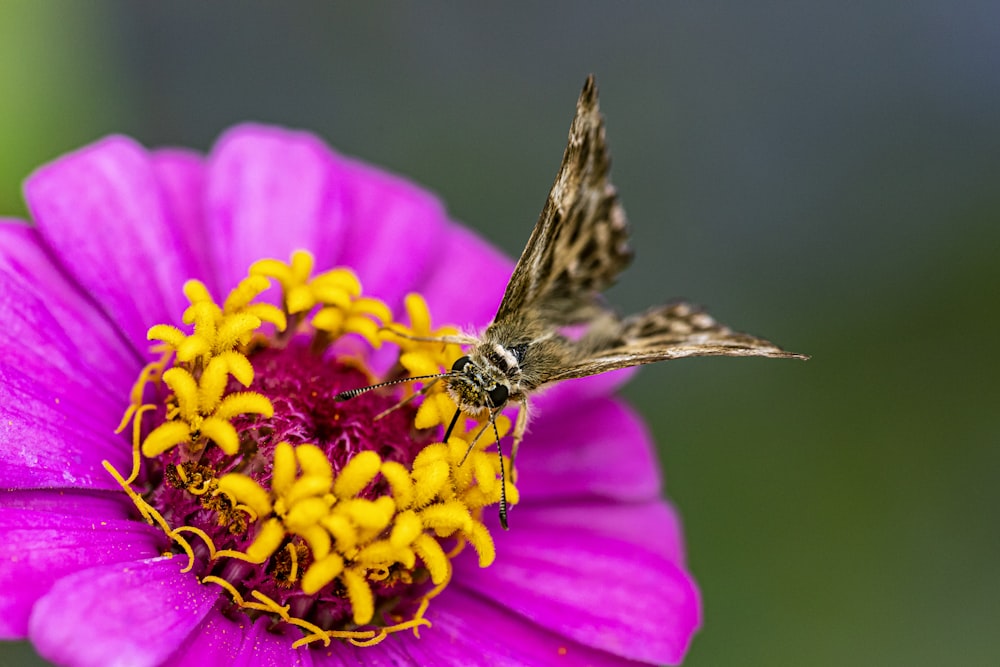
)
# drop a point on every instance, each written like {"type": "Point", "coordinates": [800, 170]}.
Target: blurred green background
{"type": "Point", "coordinates": [827, 175]}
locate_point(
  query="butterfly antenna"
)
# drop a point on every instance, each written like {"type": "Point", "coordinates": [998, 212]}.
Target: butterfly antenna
{"type": "Point", "coordinates": [503, 480]}
{"type": "Point", "coordinates": [503, 474]}
{"type": "Point", "coordinates": [351, 393]}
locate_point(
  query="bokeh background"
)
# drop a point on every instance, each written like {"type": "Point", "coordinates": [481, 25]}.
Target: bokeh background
{"type": "Point", "coordinates": [827, 175]}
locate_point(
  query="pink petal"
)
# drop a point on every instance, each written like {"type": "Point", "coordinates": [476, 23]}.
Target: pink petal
{"type": "Point", "coordinates": [469, 630]}
{"type": "Point", "coordinates": [468, 281]}
{"type": "Point", "coordinates": [396, 231]}
{"type": "Point", "coordinates": [569, 395]}
{"type": "Point", "coordinates": [652, 525]}
{"type": "Point", "coordinates": [181, 177]}
{"type": "Point", "coordinates": [132, 614]}
{"type": "Point", "coordinates": [100, 210]}
{"type": "Point", "coordinates": [240, 642]}
{"type": "Point", "coordinates": [271, 191]}
{"type": "Point", "coordinates": [40, 546]}
{"type": "Point", "coordinates": [601, 450]}
{"type": "Point", "coordinates": [216, 641]}
{"type": "Point", "coordinates": [69, 502]}
{"type": "Point", "coordinates": [65, 373]}
{"type": "Point", "coordinates": [601, 592]}
{"type": "Point", "coordinates": [49, 320]}
{"type": "Point", "coordinates": [50, 437]}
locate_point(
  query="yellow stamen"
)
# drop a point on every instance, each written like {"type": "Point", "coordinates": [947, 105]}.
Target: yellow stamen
{"type": "Point", "coordinates": [322, 572]}
{"type": "Point", "coordinates": [267, 542]}
{"type": "Point", "coordinates": [430, 480]}
{"type": "Point", "coordinates": [166, 333]}
{"type": "Point", "coordinates": [222, 433]}
{"type": "Point", "coordinates": [185, 389]}
{"type": "Point", "coordinates": [351, 635]}
{"type": "Point", "coordinates": [305, 513]}
{"type": "Point", "coordinates": [437, 409]}
{"type": "Point", "coordinates": [447, 517]}
{"type": "Point", "coordinates": [268, 604]}
{"type": "Point", "coordinates": [317, 538]}
{"type": "Point", "coordinates": [283, 471]}
{"type": "Point", "coordinates": [433, 556]}
{"type": "Point", "coordinates": [246, 291]}
{"type": "Point", "coordinates": [360, 594]}
{"type": "Point", "coordinates": [244, 402]}
{"type": "Point", "coordinates": [405, 529]}
{"type": "Point", "coordinates": [399, 481]}
{"type": "Point", "coordinates": [314, 463]}
{"type": "Point", "coordinates": [372, 515]}
{"type": "Point", "coordinates": [331, 287]}
{"type": "Point", "coordinates": [357, 474]}
{"type": "Point", "coordinates": [234, 330]}
{"type": "Point", "coordinates": [215, 377]}
{"type": "Point", "coordinates": [293, 555]}
{"type": "Point", "coordinates": [200, 533]}
{"type": "Point", "coordinates": [349, 536]}
{"type": "Point", "coordinates": [481, 540]}
{"type": "Point", "coordinates": [195, 291]}
{"type": "Point", "coordinates": [244, 488]}
{"type": "Point", "coordinates": [136, 440]}
{"type": "Point", "coordinates": [219, 581]}
{"type": "Point", "coordinates": [165, 436]}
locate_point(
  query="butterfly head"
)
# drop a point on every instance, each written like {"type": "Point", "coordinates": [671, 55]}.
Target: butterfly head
{"type": "Point", "coordinates": [477, 385]}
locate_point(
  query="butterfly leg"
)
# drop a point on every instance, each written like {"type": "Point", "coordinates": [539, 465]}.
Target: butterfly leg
{"type": "Point", "coordinates": [520, 426]}
{"type": "Point", "coordinates": [451, 427]}
{"type": "Point", "coordinates": [409, 399]}
{"type": "Point", "coordinates": [490, 422]}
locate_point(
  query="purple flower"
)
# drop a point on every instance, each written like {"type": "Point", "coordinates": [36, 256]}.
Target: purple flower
{"type": "Point", "coordinates": [592, 571]}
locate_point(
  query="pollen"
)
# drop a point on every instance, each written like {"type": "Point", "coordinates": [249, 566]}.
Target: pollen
{"type": "Point", "coordinates": [341, 519]}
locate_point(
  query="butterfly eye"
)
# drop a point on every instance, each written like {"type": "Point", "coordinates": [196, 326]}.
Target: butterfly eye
{"type": "Point", "coordinates": [460, 364]}
{"type": "Point", "coordinates": [498, 395]}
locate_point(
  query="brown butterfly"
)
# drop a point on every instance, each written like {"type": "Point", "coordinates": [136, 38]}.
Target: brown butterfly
{"type": "Point", "coordinates": [578, 247]}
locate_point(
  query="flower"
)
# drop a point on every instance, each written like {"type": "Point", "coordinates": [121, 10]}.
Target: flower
{"type": "Point", "coordinates": [101, 559]}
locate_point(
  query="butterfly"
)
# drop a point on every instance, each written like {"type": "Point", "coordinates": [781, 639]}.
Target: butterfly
{"type": "Point", "coordinates": [553, 323]}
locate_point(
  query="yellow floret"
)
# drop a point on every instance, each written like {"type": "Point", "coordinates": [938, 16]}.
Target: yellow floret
{"type": "Point", "coordinates": [323, 529]}
{"type": "Point", "coordinates": [322, 572]}
{"type": "Point", "coordinates": [360, 595]}
{"type": "Point", "coordinates": [245, 490]}
{"type": "Point", "coordinates": [357, 474]}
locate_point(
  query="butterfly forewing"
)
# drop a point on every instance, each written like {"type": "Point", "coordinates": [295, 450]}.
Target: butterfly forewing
{"type": "Point", "coordinates": [580, 243]}
{"type": "Point", "coordinates": [577, 249]}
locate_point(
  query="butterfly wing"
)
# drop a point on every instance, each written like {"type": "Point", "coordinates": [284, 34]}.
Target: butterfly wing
{"type": "Point", "coordinates": [577, 249]}
{"type": "Point", "coordinates": [665, 332]}
{"type": "Point", "coordinates": [580, 243]}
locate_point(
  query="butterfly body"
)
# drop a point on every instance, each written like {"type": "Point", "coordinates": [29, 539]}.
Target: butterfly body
{"type": "Point", "coordinates": [553, 323]}
{"type": "Point", "coordinates": [510, 360]}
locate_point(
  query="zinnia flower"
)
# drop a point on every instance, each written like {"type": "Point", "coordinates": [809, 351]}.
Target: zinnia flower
{"type": "Point", "coordinates": [236, 514]}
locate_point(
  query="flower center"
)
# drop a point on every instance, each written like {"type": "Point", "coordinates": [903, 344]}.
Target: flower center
{"type": "Point", "coordinates": [338, 517]}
